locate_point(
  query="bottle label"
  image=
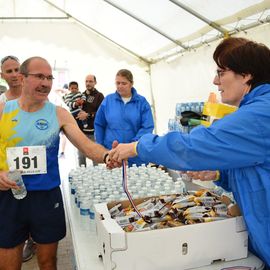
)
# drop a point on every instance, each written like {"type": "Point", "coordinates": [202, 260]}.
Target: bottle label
{"type": "Point", "coordinates": [28, 159]}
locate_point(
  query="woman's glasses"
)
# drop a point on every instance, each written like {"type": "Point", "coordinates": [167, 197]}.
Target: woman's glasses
{"type": "Point", "coordinates": [220, 72]}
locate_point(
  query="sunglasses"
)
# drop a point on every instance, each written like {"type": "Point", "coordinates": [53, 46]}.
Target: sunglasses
{"type": "Point", "coordinates": [3, 60]}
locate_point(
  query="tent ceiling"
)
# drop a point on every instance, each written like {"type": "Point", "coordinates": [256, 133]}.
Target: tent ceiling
{"type": "Point", "coordinates": [149, 29]}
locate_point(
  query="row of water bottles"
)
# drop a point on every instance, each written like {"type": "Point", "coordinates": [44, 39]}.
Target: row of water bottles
{"type": "Point", "coordinates": [188, 106]}
{"type": "Point", "coordinates": [96, 184]}
{"type": "Point", "coordinates": [174, 123]}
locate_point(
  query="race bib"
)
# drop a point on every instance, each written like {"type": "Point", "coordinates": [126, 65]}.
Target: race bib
{"type": "Point", "coordinates": [28, 159]}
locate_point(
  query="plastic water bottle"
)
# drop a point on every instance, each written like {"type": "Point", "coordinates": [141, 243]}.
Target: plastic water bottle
{"type": "Point", "coordinates": [16, 176]}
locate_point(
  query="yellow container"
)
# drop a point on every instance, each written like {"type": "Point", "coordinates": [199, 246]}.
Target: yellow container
{"type": "Point", "coordinates": [215, 111]}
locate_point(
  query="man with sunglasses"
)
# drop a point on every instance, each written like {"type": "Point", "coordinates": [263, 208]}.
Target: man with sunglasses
{"type": "Point", "coordinates": [10, 66]}
{"type": "Point", "coordinates": [30, 142]}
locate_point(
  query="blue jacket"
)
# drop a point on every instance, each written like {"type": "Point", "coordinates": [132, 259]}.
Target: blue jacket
{"type": "Point", "coordinates": [239, 146]}
{"type": "Point", "coordinates": [125, 123]}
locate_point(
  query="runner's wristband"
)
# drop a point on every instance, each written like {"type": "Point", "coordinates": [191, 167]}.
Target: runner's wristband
{"type": "Point", "coordinates": [104, 158]}
{"type": "Point", "coordinates": [217, 176]}
{"type": "Point", "coordinates": [135, 148]}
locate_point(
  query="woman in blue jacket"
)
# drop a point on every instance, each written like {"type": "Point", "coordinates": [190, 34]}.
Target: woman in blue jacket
{"type": "Point", "coordinates": [238, 145]}
{"type": "Point", "coordinates": [124, 115]}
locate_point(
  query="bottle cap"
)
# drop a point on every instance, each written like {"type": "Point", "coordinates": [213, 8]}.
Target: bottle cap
{"type": "Point", "coordinates": [12, 169]}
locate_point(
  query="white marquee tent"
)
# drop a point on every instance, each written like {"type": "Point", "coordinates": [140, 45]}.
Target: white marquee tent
{"type": "Point", "coordinates": [167, 44]}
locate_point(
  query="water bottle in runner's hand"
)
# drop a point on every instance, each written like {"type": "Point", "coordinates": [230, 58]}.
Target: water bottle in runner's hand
{"type": "Point", "coordinates": [16, 176]}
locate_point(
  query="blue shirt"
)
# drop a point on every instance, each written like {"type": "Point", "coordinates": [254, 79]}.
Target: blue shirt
{"type": "Point", "coordinates": [125, 123]}
{"type": "Point", "coordinates": [239, 146]}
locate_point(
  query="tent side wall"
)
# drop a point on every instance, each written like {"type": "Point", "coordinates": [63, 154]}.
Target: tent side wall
{"type": "Point", "coordinates": [72, 48]}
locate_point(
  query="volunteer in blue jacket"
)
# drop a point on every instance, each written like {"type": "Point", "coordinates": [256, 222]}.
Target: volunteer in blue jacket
{"type": "Point", "coordinates": [124, 115]}
{"type": "Point", "coordinates": [237, 145]}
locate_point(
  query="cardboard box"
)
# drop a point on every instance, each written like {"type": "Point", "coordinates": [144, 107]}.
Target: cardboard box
{"type": "Point", "coordinates": [178, 248]}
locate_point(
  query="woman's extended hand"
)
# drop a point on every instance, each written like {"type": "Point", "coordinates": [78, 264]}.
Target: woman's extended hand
{"type": "Point", "coordinates": [123, 151]}
{"type": "Point", "coordinates": [203, 175]}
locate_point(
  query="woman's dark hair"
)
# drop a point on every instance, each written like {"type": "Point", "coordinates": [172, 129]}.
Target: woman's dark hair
{"type": "Point", "coordinates": [244, 56]}
{"type": "Point", "coordinates": [125, 73]}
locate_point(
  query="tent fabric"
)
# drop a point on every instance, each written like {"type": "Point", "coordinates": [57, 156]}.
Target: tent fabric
{"type": "Point", "coordinates": [152, 30]}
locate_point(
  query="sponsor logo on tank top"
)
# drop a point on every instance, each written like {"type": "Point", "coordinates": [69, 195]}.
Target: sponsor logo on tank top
{"type": "Point", "coordinates": [42, 124]}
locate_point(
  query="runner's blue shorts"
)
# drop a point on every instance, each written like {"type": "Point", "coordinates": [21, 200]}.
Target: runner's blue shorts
{"type": "Point", "coordinates": [40, 214]}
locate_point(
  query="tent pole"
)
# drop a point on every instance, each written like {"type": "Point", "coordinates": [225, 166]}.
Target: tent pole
{"type": "Point", "coordinates": [153, 105]}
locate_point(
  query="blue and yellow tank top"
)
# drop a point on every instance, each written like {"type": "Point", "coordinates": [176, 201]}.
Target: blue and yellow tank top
{"type": "Point", "coordinates": [40, 128]}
